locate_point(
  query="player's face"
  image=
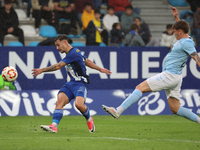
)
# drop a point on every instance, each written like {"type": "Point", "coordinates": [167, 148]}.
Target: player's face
{"type": "Point", "coordinates": [60, 45]}
{"type": "Point", "coordinates": [177, 34]}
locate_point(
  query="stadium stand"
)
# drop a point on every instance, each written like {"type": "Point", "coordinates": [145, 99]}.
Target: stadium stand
{"type": "Point", "coordinates": [156, 14]}
{"type": "Point", "coordinates": [15, 43]}
{"type": "Point", "coordinates": [78, 44]}
{"type": "Point", "coordinates": [34, 43]}
{"type": "Point", "coordinates": [102, 44]}
{"type": "Point", "coordinates": [29, 31]}
{"type": "Point", "coordinates": [21, 14]}
{"type": "Point", "coordinates": [48, 31]}
{"type": "Point", "coordinates": [178, 3]}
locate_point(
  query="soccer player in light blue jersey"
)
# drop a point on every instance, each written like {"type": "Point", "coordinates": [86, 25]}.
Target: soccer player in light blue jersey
{"type": "Point", "coordinates": [170, 79]}
{"type": "Point", "coordinates": [76, 86]}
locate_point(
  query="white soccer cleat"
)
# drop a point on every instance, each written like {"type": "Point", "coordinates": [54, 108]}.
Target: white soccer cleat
{"type": "Point", "coordinates": [111, 110]}
{"type": "Point", "coordinates": [51, 128]}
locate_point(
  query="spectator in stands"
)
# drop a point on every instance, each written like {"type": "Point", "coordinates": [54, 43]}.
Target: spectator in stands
{"type": "Point", "coordinates": [87, 16]}
{"type": "Point", "coordinates": [9, 22]}
{"type": "Point", "coordinates": [109, 19]}
{"type": "Point", "coordinates": [133, 38]}
{"type": "Point", "coordinates": [97, 4]}
{"type": "Point", "coordinates": [193, 4]}
{"type": "Point", "coordinates": [196, 26]}
{"type": "Point", "coordinates": [66, 9]}
{"type": "Point", "coordinates": [119, 6]}
{"type": "Point", "coordinates": [94, 31]}
{"type": "Point", "coordinates": [4, 85]}
{"type": "Point", "coordinates": [127, 19]}
{"type": "Point", "coordinates": [79, 7]}
{"type": "Point", "coordinates": [144, 31]}
{"type": "Point", "coordinates": [19, 3]}
{"type": "Point", "coordinates": [168, 38]}
{"type": "Point", "coordinates": [117, 36]}
{"type": "Point", "coordinates": [43, 9]}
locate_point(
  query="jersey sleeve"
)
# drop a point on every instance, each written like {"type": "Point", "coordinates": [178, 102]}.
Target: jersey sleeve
{"type": "Point", "coordinates": [188, 47]}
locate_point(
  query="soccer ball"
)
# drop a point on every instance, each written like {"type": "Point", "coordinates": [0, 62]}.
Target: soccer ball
{"type": "Point", "coordinates": [9, 74]}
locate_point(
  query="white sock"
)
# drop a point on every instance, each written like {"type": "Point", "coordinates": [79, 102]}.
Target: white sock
{"type": "Point", "coordinates": [198, 120]}
{"type": "Point", "coordinates": [120, 110]}
{"type": "Point", "coordinates": [55, 124]}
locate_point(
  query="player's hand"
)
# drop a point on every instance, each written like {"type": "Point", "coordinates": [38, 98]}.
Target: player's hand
{"type": "Point", "coordinates": [36, 72]}
{"type": "Point", "coordinates": [104, 70]}
{"type": "Point", "coordinates": [175, 11]}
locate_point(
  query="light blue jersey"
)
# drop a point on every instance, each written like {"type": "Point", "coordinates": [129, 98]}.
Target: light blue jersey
{"type": "Point", "coordinates": [177, 57]}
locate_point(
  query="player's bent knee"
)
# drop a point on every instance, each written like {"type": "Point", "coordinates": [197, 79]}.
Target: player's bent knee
{"type": "Point", "coordinates": [79, 106]}
{"type": "Point", "coordinates": [174, 110]}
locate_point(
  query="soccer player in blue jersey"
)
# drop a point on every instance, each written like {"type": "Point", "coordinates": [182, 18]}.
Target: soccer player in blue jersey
{"type": "Point", "coordinates": [170, 79]}
{"type": "Point", "coordinates": [76, 86]}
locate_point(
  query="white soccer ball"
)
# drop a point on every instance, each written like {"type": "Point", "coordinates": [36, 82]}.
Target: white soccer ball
{"type": "Point", "coordinates": [9, 74]}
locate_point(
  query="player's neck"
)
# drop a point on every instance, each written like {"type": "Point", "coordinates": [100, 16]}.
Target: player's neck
{"type": "Point", "coordinates": [68, 49]}
{"type": "Point", "coordinates": [184, 36]}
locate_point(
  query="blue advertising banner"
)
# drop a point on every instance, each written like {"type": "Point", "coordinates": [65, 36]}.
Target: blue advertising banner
{"type": "Point", "coordinates": [42, 102]}
{"type": "Point", "coordinates": [129, 66]}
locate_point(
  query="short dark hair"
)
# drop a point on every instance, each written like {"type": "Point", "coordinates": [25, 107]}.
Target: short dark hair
{"type": "Point", "coordinates": [114, 26]}
{"type": "Point", "coordinates": [128, 7]}
{"type": "Point", "coordinates": [61, 37]}
{"type": "Point", "coordinates": [182, 25]}
{"type": "Point", "coordinates": [134, 26]}
{"type": "Point", "coordinates": [110, 7]}
{"type": "Point", "coordinates": [87, 4]}
{"type": "Point", "coordinates": [169, 26]}
{"type": "Point", "coordinates": [7, 1]}
{"type": "Point", "coordinates": [97, 11]}
{"type": "Point", "coordinates": [137, 18]}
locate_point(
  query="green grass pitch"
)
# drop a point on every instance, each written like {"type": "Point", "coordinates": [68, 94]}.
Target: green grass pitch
{"type": "Point", "coordinates": [162, 132]}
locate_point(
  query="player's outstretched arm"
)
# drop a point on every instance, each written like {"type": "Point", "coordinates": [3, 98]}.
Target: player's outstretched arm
{"type": "Point", "coordinates": [196, 57]}
{"type": "Point", "coordinates": [175, 13]}
{"type": "Point", "coordinates": [48, 69]}
{"type": "Point", "coordinates": [92, 65]}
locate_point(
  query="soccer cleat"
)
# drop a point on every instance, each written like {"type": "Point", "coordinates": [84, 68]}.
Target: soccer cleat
{"type": "Point", "coordinates": [91, 125]}
{"type": "Point", "coordinates": [50, 128]}
{"type": "Point", "coordinates": [111, 110]}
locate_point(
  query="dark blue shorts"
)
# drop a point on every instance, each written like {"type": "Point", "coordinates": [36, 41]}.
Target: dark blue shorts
{"type": "Point", "coordinates": [73, 89]}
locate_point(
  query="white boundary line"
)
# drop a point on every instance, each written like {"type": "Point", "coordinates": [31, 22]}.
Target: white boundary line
{"type": "Point", "coordinates": [110, 138]}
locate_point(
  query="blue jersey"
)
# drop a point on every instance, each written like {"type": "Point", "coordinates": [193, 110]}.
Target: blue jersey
{"type": "Point", "coordinates": [178, 55]}
{"type": "Point", "coordinates": [75, 67]}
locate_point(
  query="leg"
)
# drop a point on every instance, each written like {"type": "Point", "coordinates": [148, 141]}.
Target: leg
{"type": "Point", "coordinates": [37, 16]}
{"type": "Point", "coordinates": [134, 97]}
{"type": "Point", "coordinates": [2, 34]}
{"type": "Point", "coordinates": [19, 32]}
{"type": "Point", "coordinates": [79, 19]}
{"type": "Point", "coordinates": [79, 103]}
{"type": "Point", "coordinates": [181, 111]}
{"type": "Point", "coordinates": [104, 35]}
{"type": "Point", "coordinates": [29, 8]}
{"type": "Point", "coordinates": [62, 100]}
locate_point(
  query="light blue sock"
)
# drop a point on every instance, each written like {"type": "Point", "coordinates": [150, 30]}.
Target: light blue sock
{"type": "Point", "coordinates": [134, 97]}
{"type": "Point", "coordinates": [184, 112]}
{"type": "Point", "coordinates": [57, 115]}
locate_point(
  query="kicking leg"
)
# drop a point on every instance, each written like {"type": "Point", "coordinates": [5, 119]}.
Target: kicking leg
{"type": "Point", "coordinates": [181, 111]}
{"type": "Point", "coordinates": [58, 113]}
{"type": "Point", "coordinates": [133, 98]}
{"type": "Point", "coordinates": [79, 103]}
